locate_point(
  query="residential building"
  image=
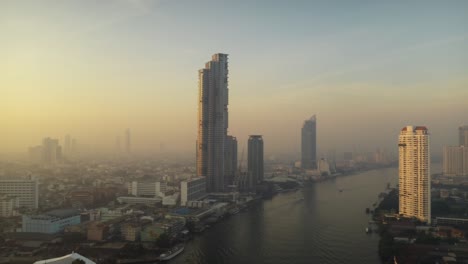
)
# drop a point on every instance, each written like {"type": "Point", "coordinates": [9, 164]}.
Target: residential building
{"type": "Point", "coordinates": [255, 164]}
{"type": "Point", "coordinates": [213, 122]}
{"type": "Point", "coordinates": [414, 173]}
{"type": "Point", "coordinates": [192, 190]}
{"type": "Point", "coordinates": [26, 190]}
{"type": "Point", "coordinates": [131, 231]}
{"type": "Point", "coordinates": [309, 144]}
{"type": "Point", "coordinates": [9, 206]}
{"type": "Point", "coordinates": [455, 160]}
{"type": "Point", "coordinates": [97, 231]}
{"type": "Point", "coordinates": [51, 222]}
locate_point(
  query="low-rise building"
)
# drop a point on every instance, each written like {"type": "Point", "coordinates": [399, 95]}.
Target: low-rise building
{"type": "Point", "coordinates": [97, 231]}
{"type": "Point", "coordinates": [50, 222]}
{"type": "Point", "coordinates": [147, 188]}
{"type": "Point", "coordinates": [139, 200]}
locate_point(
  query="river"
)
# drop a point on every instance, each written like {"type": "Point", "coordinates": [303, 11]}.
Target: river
{"type": "Point", "coordinates": [327, 226]}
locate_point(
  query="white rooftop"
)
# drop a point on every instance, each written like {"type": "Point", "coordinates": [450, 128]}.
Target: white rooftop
{"type": "Point", "coordinates": [67, 259]}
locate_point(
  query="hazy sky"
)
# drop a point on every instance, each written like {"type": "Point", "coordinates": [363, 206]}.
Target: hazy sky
{"type": "Point", "coordinates": [366, 68]}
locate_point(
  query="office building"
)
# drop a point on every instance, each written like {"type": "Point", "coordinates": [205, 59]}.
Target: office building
{"type": "Point", "coordinates": [414, 173]}
{"type": "Point", "coordinates": [309, 144]}
{"type": "Point", "coordinates": [455, 161]}
{"type": "Point", "coordinates": [26, 190]}
{"type": "Point", "coordinates": [255, 165]}
{"type": "Point", "coordinates": [463, 136]}
{"type": "Point", "coordinates": [147, 188]}
{"type": "Point", "coordinates": [230, 162]}
{"type": "Point", "coordinates": [213, 122]}
{"type": "Point", "coordinates": [51, 222]}
{"type": "Point", "coordinates": [192, 190]}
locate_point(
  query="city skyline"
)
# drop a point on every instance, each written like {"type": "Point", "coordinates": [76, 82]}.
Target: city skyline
{"type": "Point", "coordinates": [63, 80]}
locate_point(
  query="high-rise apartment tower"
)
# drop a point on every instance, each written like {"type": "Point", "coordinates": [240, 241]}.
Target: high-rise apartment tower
{"type": "Point", "coordinates": [414, 173]}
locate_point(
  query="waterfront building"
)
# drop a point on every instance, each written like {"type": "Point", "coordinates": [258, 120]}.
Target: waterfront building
{"type": "Point", "coordinates": [230, 162]}
{"type": "Point", "coordinates": [463, 136]}
{"type": "Point", "coordinates": [192, 190]}
{"type": "Point", "coordinates": [309, 144]}
{"type": "Point", "coordinates": [50, 222]}
{"type": "Point", "coordinates": [414, 173]}
{"type": "Point", "coordinates": [147, 188]}
{"type": "Point", "coordinates": [213, 122]}
{"type": "Point", "coordinates": [455, 161]}
{"type": "Point", "coordinates": [255, 162]}
{"type": "Point", "coordinates": [26, 190]}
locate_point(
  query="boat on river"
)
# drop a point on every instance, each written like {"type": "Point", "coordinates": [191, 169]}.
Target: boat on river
{"type": "Point", "coordinates": [172, 252]}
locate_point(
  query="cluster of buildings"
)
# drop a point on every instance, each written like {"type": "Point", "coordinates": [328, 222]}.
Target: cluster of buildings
{"type": "Point", "coordinates": [216, 152]}
{"type": "Point", "coordinates": [50, 152]}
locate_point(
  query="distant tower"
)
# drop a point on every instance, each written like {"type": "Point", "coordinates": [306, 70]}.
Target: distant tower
{"type": "Point", "coordinates": [414, 173]}
{"type": "Point", "coordinates": [73, 148]}
{"type": "Point", "coordinates": [309, 144]}
{"type": "Point", "coordinates": [127, 142]}
{"type": "Point", "coordinates": [67, 149]}
{"type": "Point", "coordinates": [118, 149]}
{"type": "Point", "coordinates": [213, 122]}
{"type": "Point", "coordinates": [463, 136]}
{"type": "Point", "coordinates": [255, 160]}
{"type": "Point", "coordinates": [51, 151]}
{"type": "Point", "coordinates": [230, 162]}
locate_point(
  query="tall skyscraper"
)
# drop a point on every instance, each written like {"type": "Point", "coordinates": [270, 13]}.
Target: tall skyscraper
{"type": "Point", "coordinates": [463, 136]}
{"type": "Point", "coordinates": [414, 173]}
{"type": "Point", "coordinates": [213, 121]}
{"type": "Point", "coordinates": [309, 144]}
{"type": "Point", "coordinates": [127, 142]}
{"type": "Point", "coordinates": [255, 160]}
{"type": "Point", "coordinates": [230, 162]}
